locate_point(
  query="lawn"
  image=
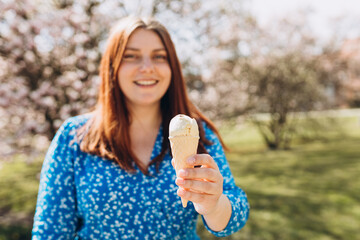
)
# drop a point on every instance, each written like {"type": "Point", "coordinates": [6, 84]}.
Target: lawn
{"type": "Point", "coordinates": [308, 192]}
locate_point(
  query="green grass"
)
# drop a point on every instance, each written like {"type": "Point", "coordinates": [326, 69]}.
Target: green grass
{"type": "Point", "coordinates": [18, 191]}
{"type": "Point", "coordinates": [309, 192]}
{"type": "Point", "coordinates": [19, 185]}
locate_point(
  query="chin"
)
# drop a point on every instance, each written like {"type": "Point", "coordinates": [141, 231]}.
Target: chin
{"type": "Point", "coordinates": [145, 103]}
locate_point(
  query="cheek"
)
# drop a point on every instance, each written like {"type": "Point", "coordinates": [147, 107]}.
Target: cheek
{"type": "Point", "coordinates": [125, 73]}
{"type": "Point", "coordinates": [121, 80]}
{"type": "Point", "coordinates": [166, 73]}
{"type": "Point", "coordinates": [121, 85]}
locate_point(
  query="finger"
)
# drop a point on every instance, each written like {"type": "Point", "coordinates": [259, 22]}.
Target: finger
{"type": "Point", "coordinates": [202, 159]}
{"type": "Point", "coordinates": [199, 186]}
{"type": "Point", "coordinates": [195, 197]}
{"type": "Point", "coordinates": [209, 174]}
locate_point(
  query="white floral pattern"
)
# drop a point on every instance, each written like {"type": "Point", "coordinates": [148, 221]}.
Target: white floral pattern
{"type": "Point", "coordinates": [82, 196]}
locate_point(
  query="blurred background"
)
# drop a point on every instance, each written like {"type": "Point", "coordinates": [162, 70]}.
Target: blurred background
{"type": "Point", "coordinates": [281, 79]}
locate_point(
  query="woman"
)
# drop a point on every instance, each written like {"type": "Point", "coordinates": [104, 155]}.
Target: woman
{"type": "Point", "coordinates": [108, 174]}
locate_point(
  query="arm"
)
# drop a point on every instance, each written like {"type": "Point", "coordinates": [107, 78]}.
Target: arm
{"type": "Point", "coordinates": [218, 219]}
{"type": "Point", "coordinates": [55, 216]}
{"type": "Point", "coordinates": [205, 189]}
{"type": "Point", "coordinates": [224, 207]}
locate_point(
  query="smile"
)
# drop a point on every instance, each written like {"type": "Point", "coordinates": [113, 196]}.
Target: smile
{"type": "Point", "coordinates": [146, 82]}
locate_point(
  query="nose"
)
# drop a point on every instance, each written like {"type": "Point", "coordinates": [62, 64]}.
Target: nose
{"type": "Point", "coordinates": [147, 65]}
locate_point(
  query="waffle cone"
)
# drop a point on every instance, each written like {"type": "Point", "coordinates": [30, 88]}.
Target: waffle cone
{"type": "Point", "coordinates": [183, 147]}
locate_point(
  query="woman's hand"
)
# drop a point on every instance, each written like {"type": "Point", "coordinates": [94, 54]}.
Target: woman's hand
{"type": "Point", "coordinates": [203, 185]}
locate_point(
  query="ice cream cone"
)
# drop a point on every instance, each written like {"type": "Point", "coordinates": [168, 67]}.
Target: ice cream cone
{"type": "Point", "coordinates": [183, 147]}
{"type": "Point", "coordinates": [184, 140]}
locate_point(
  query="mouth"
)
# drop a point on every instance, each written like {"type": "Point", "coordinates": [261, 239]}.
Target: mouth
{"type": "Point", "coordinates": [146, 83]}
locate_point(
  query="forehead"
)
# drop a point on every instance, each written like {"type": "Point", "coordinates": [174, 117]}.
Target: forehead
{"type": "Point", "coordinates": [143, 38]}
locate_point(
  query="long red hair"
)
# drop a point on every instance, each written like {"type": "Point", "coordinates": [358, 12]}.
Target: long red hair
{"type": "Point", "coordinates": [106, 134]}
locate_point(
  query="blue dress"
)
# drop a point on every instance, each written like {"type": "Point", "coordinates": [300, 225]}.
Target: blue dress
{"type": "Point", "coordinates": [83, 196]}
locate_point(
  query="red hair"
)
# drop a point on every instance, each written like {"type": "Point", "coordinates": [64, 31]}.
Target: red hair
{"type": "Point", "coordinates": [106, 134]}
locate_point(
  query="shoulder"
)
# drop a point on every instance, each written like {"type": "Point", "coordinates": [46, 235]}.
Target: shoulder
{"type": "Point", "coordinates": [209, 133]}
{"type": "Point", "coordinates": [77, 121]}
{"type": "Point", "coordinates": [70, 126]}
{"type": "Point", "coordinates": [215, 149]}
{"type": "Point", "coordinates": [215, 146]}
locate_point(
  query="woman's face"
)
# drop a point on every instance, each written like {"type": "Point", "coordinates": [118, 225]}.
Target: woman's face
{"type": "Point", "coordinates": [144, 74]}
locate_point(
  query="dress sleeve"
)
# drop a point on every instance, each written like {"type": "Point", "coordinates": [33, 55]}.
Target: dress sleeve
{"type": "Point", "coordinates": [55, 216]}
{"type": "Point", "coordinates": [238, 199]}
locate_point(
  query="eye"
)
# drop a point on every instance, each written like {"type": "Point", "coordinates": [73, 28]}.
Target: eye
{"type": "Point", "coordinates": [130, 56]}
{"type": "Point", "coordinates": [160, 57]}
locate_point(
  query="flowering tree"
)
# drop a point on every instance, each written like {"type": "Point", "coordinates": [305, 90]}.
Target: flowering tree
{"type": "Point", "coordinates": [50, 53]}
{"type": "Point", "coordinates": [49, 58]}
{"type": "Point", "coordinates": [281, 70]}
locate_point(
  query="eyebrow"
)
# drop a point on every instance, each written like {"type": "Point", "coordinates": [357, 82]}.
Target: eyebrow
{"type": "Point", "coordinates": [136, 49]}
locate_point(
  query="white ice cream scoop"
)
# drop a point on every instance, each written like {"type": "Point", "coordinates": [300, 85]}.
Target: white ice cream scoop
{"type": "Point", "coordinates": [182, 125]}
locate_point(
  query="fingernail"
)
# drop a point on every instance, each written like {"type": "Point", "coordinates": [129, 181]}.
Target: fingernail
{"type": "Point", "coordinates": [182, 173]}
{"type": "Point", "coordinates": [180, 181]}
{"type": "Point", "coordinates": [181, 191]}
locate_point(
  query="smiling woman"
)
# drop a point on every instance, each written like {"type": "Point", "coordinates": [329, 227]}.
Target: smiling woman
{"type": "Point", "coordinates": [108, 174]}
{"type": "Point", "coordinates": [144, 74]}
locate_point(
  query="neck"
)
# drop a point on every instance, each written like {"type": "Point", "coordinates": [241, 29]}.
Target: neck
{"type": "Point", "coordinates": [148, 117]}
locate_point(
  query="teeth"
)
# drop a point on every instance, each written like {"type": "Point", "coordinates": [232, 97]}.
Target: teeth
{"type": "Point", "coordinates": [146, 82]}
